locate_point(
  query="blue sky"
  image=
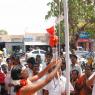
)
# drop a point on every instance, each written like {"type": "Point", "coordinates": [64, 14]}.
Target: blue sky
{"type": "Point", "coordinates": [19, 16]}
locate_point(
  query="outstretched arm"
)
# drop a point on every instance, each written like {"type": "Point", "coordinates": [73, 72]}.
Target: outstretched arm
{"type": "Point", "coordinates": [38, 76]}
{"type": "Point", "coordinates": [91, 79]}
{"type": "Point", "coordinates": [43, 72]}
{"type": "Point", "coordinates": [38, 85]}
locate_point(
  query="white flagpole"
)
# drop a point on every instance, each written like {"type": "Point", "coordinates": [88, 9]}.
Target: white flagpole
{"type": "Point", "coordinates": [66, 26]}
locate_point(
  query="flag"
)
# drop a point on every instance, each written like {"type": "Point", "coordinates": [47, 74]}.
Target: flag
{"type": "Point", "coordinates": [51, 30]}
{"type": "Point", "coordinates": [53, 41]}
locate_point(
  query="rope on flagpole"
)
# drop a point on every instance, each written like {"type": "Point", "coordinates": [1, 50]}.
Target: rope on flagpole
{"type": "Point", "coordinates": [59, 30]}
{"type": "Point", "coordinates": [55, 47]}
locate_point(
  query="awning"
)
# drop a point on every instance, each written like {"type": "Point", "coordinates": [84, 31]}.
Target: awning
{"type": "Point", "coordinates": [35, 43]}
{"type": "Point", "coordinates": [84, 40]}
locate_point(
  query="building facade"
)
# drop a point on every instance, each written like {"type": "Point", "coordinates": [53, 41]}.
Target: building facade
{"type": "Point", "coordinates": [24, 42]}
{"type": "Point", "coordinates": [32, 40]}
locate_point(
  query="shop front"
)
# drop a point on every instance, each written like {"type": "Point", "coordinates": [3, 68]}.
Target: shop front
{"type": "Point", "coordinates": [85, 41]}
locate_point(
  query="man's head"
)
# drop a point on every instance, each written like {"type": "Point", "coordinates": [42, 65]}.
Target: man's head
{"type": "Point", "coordinates": [9, 62]}
{"type": "Point", "coordinates": [88, 69]}
{"type": "Point", "coordinates": [31, 62]}
{"type": "Point", "coordinates": [48, 57]}
{"type": "Point", "coordinates": [4, 68]}
{"type": "Point", "coordinates": [38, 59]}
{"type": "Point", "coordinates": [73, 58]}
{"type": "Point", "coordinates": [74, 74]}
{"type": "Point", "coordinates": [36, 68]}
{"type": "Point", "coordinates": [15, 59]}
{"type": "Point", "coordinates": [19, 72]}
{"type": "Point", "coordinates": [63, 66]}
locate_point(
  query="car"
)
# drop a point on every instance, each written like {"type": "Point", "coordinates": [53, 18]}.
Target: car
{"type": "Point", "coordinates": [81, 53]}
{"type": "Point", "coordinates": [89, 54]}
{"type": "Point", "coordinates": [33, 53]}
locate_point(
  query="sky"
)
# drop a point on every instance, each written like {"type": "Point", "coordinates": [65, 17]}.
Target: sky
{"type": "Point", "coordinates": [20, 16]}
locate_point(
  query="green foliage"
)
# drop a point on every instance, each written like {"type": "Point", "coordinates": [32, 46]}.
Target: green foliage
{"type": "Point", "coordinates": [3, 32]}
{"type": "Point", "coordinates": [79, 11]}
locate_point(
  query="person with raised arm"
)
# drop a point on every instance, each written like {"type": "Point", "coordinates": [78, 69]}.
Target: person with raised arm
{"type": "Point", "coordinates": [24, 85]}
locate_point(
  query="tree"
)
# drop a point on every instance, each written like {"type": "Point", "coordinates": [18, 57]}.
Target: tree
{"type": "Point", "coordinates": [3, 32]}
{"type": "Point", "coordinates": [80, 11]}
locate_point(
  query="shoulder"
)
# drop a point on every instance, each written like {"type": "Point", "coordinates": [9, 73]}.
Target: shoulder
{"type": "Point", "coordinates": [77, 65]}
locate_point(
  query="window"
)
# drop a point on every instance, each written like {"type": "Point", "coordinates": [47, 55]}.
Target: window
{"type": "Point", "coordinates": [42, 52]}
{"type": "Point", "coordinates": [35, 52]}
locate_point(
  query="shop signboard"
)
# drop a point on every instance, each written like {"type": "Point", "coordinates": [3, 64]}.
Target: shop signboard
{"type": "Point", "coordinates": [84, 35]}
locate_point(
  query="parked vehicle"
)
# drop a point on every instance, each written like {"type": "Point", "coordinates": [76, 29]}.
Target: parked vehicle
{"type": "Point", "coordinates": [33, 53]}
{"type": "Point", "coordinates": [81, 53]}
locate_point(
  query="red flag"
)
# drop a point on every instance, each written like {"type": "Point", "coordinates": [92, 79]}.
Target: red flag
{"type": "Point", "coordinates": [53, 41]}
{"type": "Point", "coordinates": [51, 30]}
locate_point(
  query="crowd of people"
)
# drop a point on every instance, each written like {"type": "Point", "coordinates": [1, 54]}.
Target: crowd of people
{"type": "Point", "coordinates": [47, 77]}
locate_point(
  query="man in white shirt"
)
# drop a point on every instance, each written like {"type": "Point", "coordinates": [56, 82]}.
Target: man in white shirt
{"type": "Point", "coordinates": [57, 86]}
{"type": "Point", "coordinates": [8, 79]}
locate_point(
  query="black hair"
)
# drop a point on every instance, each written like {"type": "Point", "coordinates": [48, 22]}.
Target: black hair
{"type": "Point", "coordinates": [15, 75]}
{"type": "Point", "coordinates": [38, 55]}
{"type": "Point", "coordinates": [15, 72]}
{"type": "Point", "coordinates": [88, 66]}
{"type": "Point", "coordinates": [60, 53]}
{"type": "Point", "coordinates": [75, 71]}
{"type": "Point", "coordinates": [49, 53]}
{"type": "Point", "coordinates": [7, 60]}
{"type": "Point", "coordinates": [73, 55]}
{"type": "Point", "coordinates": [16, 58]}
{"type": "Point", "coordinates": [31, 60]}
{"type": "Point", "coordinates": [4, 68]}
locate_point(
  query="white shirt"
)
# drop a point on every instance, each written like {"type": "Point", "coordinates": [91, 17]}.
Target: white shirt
{"type": "Point", "coordinates": [8, 80]}
{"type": "Point", "coordinates": [56, 86]}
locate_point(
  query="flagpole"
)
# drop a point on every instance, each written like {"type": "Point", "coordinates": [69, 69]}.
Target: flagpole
{"type": "Point", "coordinates": [66, 26]}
